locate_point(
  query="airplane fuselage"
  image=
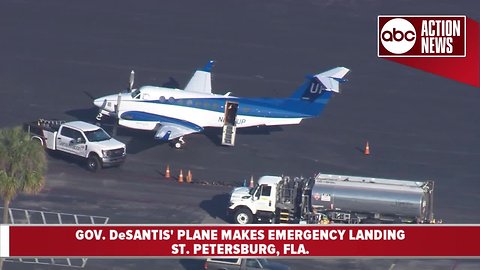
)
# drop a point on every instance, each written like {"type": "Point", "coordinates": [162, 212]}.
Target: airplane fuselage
{"type": "Point", "coordinates": [204, 110]}
{"type": "Point", "coordinates": [174, 113]}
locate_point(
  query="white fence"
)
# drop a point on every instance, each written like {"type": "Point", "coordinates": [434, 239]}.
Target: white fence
{"type": "Point", "coordinates": [25, 216]}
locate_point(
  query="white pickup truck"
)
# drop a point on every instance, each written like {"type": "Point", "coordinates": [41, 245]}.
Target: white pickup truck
{"type": "Point", "coordinates": [80, 139]}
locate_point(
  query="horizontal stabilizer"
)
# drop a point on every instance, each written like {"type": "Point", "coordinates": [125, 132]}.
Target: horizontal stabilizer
{"type": "Point", "coordinates": [332, 78]}
{"type": "Point", "coordinates": [316, 85]}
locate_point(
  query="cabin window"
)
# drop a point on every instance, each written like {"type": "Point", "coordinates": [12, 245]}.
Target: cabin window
{"type": "Point", "coordinates": [171, 100]}
{"type": "Point", "coordinates": [77, 135]}
{"type": "Point", "coordinates": [162, 99]}
{"type": "Point", "coordinates": [67, 132]}
{"type": "Point", "coordinates": [266, 190]}
{"type": "Point", "coordinates": [189, 102]}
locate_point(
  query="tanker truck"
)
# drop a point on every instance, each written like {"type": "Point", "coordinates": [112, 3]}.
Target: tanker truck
{"type": "Point", "coordinates": [328, 198]}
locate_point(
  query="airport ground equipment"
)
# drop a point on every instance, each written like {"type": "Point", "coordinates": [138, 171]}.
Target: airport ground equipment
{"type": "Point", "coordinates": [79, 139]}
{"type": "Point", "coordinates": [242, 264]}
{"type": "Point", "coordinates": [328, 198]}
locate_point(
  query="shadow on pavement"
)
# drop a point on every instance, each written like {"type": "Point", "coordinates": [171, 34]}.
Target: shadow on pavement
{"type": "Point", "coordinates": [217, 206]}
{"type": "Point", "coordinates": [87, 115]}
{"type": "Point", "coordinates": [214, 134]}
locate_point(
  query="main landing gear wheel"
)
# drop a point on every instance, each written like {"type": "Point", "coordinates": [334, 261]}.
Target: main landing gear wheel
{"type": "Point", "coordinates": [178, 143]}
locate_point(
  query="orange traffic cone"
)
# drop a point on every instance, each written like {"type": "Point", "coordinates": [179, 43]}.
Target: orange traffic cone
{"type": "Point", "coordinates": [180, 177]}
{"type": "Point", "coordinates": [252, 184]}
{"type": "Point", "coordinates": [167, 172]}
{"type": "Point", "coordinates": [189, 177]}
{"type": "Point", "coordinates": [367, 149]}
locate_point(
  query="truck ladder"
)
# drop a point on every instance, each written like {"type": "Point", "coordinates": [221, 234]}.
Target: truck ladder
{"type": "Point", "coordinates": [284, 217]}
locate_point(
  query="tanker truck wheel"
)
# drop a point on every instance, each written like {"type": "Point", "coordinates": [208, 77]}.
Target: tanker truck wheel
{"type": "Point", "coordinates": [243, 216]}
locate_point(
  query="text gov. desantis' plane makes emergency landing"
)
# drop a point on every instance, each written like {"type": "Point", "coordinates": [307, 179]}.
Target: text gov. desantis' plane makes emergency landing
{"type": "Point", "coordinates": [174, 113]}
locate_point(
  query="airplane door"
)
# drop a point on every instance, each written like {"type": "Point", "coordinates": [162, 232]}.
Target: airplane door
{"type": "Point", "coordinates": [229, 123]}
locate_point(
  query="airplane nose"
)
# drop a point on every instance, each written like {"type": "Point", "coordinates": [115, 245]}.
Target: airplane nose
{"type": "Point", "coordinates": [99, 102]}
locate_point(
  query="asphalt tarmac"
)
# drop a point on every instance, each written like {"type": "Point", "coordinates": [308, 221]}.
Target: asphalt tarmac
{"type": "Point", "coordinates": [55, 56]}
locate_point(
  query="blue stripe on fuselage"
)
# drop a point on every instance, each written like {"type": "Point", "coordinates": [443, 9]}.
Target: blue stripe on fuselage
{"type": "Point", "coordinates": [259, 107]}
{"type": "Point", "coordinates": [144, 116]}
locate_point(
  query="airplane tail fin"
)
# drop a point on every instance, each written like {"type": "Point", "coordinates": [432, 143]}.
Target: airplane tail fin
{"type": "Point", "coordinates": [316, 85]}
{"type": "Point", "coordinates": [201, 80]}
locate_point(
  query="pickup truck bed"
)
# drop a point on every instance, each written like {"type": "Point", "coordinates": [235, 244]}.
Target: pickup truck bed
{"type": "Point", "coordinates": [37, 127]}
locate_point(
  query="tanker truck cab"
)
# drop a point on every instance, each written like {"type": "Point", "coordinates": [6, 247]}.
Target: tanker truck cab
{"type": "Point", "coordinates": [255, 204]}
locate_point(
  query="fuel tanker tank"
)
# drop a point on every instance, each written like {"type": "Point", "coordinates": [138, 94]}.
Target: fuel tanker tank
{"type": "Point", "coordinates": [383, 197]}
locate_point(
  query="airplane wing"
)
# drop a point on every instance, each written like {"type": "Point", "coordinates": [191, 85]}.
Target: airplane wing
{"type": "Point", "coordinates": [169, 131]}
{"type": "Point", "coordinates": [167, 128]}
{"type": "Point", "coordinates": [201, 80]}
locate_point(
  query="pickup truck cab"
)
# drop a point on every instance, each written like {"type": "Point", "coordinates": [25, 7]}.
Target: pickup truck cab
{"type": "Point", "coordinates": [242, 264]}
{"type": "Point", "coordinates": [80, 139]}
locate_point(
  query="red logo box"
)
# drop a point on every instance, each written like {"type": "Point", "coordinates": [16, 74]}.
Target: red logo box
{"type": "Point", "coordinates": [421, 36]}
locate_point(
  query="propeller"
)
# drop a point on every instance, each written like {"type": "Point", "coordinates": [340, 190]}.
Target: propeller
{"type": "Point", "coordinates": [130, 82]}
{"type": "Point", "coordinates": [100, 109]}
{"type": "Point", "coordinates": [117, 113]}
{"type": "Point", "coordinates": [119, 101]}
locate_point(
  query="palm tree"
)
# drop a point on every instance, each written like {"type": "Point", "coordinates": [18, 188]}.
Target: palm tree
{"type": "Point", "coordinates": [22, 166]}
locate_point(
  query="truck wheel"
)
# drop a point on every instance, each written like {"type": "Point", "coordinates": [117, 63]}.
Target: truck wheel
{"type": "Point", "coordinates": [37, 140]}
{"type": "Point", "coordinates": [93, 163]}
{"type": "Point", "coordinates": [243, 216]}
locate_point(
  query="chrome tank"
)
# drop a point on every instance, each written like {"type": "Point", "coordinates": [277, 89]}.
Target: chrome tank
{"type": "Point", "coordinates": [373, 195]}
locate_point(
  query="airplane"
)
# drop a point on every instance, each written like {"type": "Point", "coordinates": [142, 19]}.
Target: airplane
{"type": "Point", "coordinates": [175, 113]}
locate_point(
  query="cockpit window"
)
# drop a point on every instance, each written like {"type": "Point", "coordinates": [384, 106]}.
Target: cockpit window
{"type": "Point", "coordinates": [136, 93]}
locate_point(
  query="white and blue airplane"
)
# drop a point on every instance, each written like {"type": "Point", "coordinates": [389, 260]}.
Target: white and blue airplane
{"type": "Point", "coordinates": [174, 113]}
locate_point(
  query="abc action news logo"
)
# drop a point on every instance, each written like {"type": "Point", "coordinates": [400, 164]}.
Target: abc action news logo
{"type": "Point", "coordinates": [421, 36]}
